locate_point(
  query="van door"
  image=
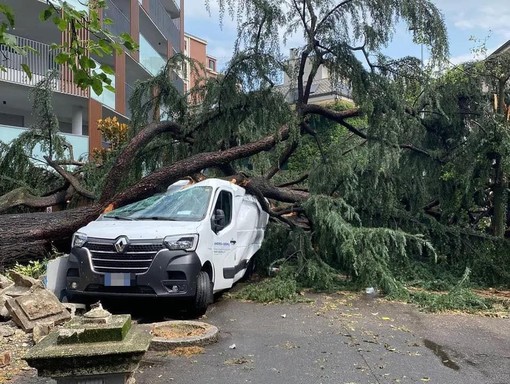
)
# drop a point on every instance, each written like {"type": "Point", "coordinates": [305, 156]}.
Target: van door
{"type": "Point", "coordinates": [224, 240]}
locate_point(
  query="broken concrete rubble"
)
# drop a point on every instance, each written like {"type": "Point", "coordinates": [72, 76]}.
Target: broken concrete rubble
{"type": "Point", "coordinates": [24, 281]}
{"type": "Point", "coordinates": [29, 304]}
{"type": "Point", "coordinates": [5, 283]}
{"type": "Point", "coordinates": [41, 330]}
{"type": "Point", "coordinates": [38, 306]}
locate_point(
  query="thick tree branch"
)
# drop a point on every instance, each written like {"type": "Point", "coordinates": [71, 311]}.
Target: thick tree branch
{"type": "Point", "coordinates": [287, 153]}
{"type": "Point", "coordinates": [158, 180]}
{"type": "Point", "coordinates": [71, 179]}
{"type": "Point", "coordinates": [294, 182]}
{"type": "Point", "coordinates": [121, 167]}
{"type": "Point", "coordinates": [22, 196]}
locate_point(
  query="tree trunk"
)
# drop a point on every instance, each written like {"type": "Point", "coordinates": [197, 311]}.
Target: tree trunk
{"type": "Point", "coordinates": [30, 235]}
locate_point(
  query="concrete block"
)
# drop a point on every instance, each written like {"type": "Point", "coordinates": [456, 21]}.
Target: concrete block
{"type": "Point", "coordinates": [24, 281]}
{"type": "Point", "coordinates": [39, 306]}
{"type": "Point", "coordinates": [41, 330]}
{"type": "Point", "coordinates": [5, 283]}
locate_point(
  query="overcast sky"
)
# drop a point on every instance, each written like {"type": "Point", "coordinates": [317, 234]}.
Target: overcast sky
{"type": "Point", "coordinates": [484, 20]}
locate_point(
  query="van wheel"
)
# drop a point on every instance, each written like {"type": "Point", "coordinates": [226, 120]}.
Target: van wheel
{"type": "Point", "coordinates": [203, 296]}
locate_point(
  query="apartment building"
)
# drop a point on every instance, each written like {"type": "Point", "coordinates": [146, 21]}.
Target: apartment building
{"type": "Point", "coordinates": [323, 90]}
{"type": "Point", "coordinates": [196, 49]}
{"type": "Point", "coordinates": [156, 25]}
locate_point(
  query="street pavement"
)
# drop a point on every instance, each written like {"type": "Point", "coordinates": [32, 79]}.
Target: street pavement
{"type": "Point", "coordinates": [341, 339]}
{"type": "Point", "coordinates": [338, 338]}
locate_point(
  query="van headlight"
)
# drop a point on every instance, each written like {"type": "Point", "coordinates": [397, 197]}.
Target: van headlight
{"type": "Point", "coordinates": [79, 239]}
{"type": "Point", "coordinates": [181, 242]}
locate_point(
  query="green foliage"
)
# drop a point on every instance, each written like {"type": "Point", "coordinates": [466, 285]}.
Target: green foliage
{"type": "Point", "coordinates": [462, 299]}
{"type": "Point", "coordinates": [34, 268]}
{"type": "Point", "coordinates": [18, 168]}
{"type": "Point", "coordinates": [279, 288]}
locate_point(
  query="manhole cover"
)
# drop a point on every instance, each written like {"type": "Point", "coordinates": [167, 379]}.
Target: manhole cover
{"type": "Point", "coordinates": [171, 334]}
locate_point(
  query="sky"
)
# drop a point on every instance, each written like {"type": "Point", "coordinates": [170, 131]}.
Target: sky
{"type": "Point", "coordinates": [485, 21]}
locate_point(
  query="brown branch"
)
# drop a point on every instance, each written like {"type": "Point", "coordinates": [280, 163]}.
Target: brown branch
{"type": "Point", "coordinates": [287, 153]}
{"type": "Point", "coordinates": [22, 196]}
{"type": "Point", "coordinates": [156, 181]}
{"type": "Point", "coordinates": [333, 10]}
{"type": "Point", "coordinates": [71, 179]}
{"type": "Point", "coordinates": [294, 182]}
{"type": "Point", "coordinates": [123, 162]}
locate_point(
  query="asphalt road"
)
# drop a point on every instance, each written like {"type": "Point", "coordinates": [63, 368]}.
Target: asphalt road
{"type": "Point", "coordinates": [343, 340]}
{"type": "Point", "coordinates": [340, 339]}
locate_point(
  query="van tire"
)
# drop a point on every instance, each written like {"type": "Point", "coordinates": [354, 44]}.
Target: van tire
{"type": "Point", "coordinates": [203, 296]}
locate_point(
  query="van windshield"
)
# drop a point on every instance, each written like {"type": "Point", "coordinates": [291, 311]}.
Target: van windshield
{"type": "Point", "coordinates": [188, 204]}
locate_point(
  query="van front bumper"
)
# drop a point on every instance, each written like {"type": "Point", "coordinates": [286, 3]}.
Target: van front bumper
{"type": "Point", "coordinates": [171, 274]}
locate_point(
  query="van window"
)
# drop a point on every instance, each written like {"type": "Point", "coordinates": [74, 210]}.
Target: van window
{"type": "Point", "coordinates": [224, 203]}
{"type": "Point", "coordinates": [187, 204]}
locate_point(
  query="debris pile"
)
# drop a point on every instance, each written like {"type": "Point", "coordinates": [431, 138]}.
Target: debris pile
{"type": "Point", "coordinates": [28, 311]}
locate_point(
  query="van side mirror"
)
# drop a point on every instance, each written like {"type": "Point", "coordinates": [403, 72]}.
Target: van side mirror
{"type": "Point", "coordinates": [218, 220]}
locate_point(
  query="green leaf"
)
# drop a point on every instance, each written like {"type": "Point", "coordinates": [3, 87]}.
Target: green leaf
{"type": "Point", "coordinates": [129, 45]}
{"type": "Point", "coordinates": [107, 69]}
{"type": "Point", "coordinates": [110, 88]}
{"type": "Point", "coordinates": [97, 86]}
{"type": "Point", "coordinates": [105, 46]}
{"type": "Point", "coordinates": [62, 58]}
{"type": "Point", "coordinates": [62, 24]}
{"type": "Point", "coordinates": [27, 70]}
{"type": "Point", "coordinates": [8, 13]}
{"type": "Point", "coordinates": [46, 14]}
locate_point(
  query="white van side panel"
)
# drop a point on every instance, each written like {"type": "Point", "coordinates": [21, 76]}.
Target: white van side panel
{"type": "Point", "coordinates": [251, 223]}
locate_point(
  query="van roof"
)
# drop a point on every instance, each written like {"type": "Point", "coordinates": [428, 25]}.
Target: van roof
{"type": "Point", "coordinates": [212, 182]}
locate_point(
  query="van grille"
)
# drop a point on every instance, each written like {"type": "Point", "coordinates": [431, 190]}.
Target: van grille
{"type": "Point", "coordinates": [136, 258]}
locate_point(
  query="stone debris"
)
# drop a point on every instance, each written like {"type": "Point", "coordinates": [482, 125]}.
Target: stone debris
{"type": "Point", "coordinates": [5, 358]}
{"type": "Point", "coordinates": [25, 300]}
{"type": "Point", "coordinates": [7, 330]}
{"type": "Point", "coordinates": [24, 281]}
{"type": "Point", "coordinates": [41, 330]}
{"type": "Point", "coordinates": [38, 306]}
{"type": "Point", "coordinates": [5, 283]}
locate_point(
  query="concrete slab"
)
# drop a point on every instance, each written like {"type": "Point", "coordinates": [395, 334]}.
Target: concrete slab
{"type": "Point", "coordinates": [40, 305]}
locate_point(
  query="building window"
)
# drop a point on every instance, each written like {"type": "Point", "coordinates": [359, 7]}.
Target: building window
{"type": "Point", "coordinates": [212, 65]}
{"type": "Point", "coordinates": [185, 70]}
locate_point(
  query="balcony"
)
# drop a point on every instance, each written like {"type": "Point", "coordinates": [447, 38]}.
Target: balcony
{"type": "Point", "coordinates": [121, 20]}
{"type": "Point", "coordinates": [172, 7]}
{"type": "Point", "coordinates": [40, 59]}
{"type": "Point", "coordinates": [79, 143]}
{"type": "Point", "coordinates": [170, 28]}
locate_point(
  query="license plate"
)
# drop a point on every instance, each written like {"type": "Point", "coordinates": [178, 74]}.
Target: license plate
{"type": "Point", "coordinates": [117, 279]}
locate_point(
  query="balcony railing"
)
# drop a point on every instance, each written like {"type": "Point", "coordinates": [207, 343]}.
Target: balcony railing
{"type": "Point", "coordinates": [169, 28]}
{"type": "Point", "coordinates": [121, 22]}
{"type": "Point", "coordinates": [40, 58]}
{"type": "Point", "coordinates": [79, 143]}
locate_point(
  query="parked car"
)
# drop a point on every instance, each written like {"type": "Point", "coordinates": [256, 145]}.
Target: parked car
{"type": "Point", "coordinates": [191, 242]}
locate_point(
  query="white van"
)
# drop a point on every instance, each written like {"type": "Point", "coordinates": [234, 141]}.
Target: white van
{"type": "Point", "coordinates": [187, 243]}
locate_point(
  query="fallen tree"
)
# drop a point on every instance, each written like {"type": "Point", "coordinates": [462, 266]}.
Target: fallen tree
{"type": "Point", "coordinates": [353, 182]}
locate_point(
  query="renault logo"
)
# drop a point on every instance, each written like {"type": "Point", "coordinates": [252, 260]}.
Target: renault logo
{"type": "Point", "coordinates": [121, 244]}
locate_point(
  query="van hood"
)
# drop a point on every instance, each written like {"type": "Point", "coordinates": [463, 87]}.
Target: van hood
{"type": "Point", "coordinates": [138, 229]}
